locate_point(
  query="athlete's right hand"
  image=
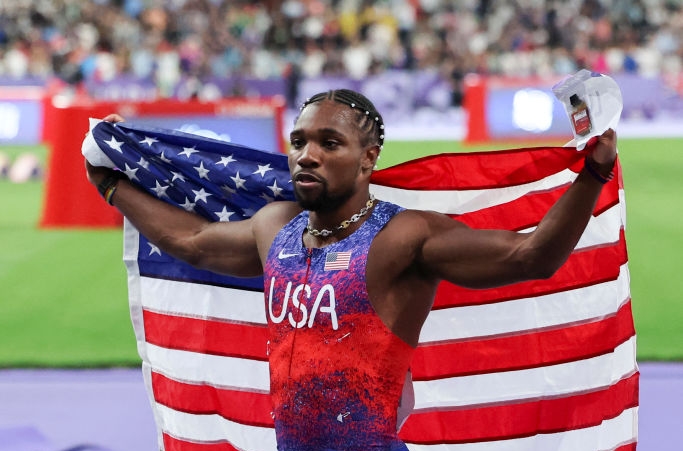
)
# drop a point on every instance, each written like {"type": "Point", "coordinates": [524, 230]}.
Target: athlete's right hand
{"type": "Point", "coordinates": [113, 117]}
{"type": "Point", "coordinates": [96, 174]}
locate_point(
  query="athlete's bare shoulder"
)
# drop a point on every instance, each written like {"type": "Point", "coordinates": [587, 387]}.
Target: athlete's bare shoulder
{"type": "Point", "coordinates": [268, 221]}
{"type": "Point", "coordinates": [417, 225]}
{"type": "Point", "coordinates": [404, 236]}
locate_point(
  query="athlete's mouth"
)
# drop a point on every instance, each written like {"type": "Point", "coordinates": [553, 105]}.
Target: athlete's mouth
{"type": "Point", "coordinates": [306, 178]}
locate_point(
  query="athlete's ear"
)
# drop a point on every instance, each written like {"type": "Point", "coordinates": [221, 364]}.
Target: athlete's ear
{"type": "Point", "coordinates": [370, 157]}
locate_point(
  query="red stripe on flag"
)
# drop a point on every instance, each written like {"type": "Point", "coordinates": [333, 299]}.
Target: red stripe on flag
{"type": "Point", "coordinates": [525, 350]}
{"type": "Point", "coordinates": [583, 268]}
{"type": "Point", "coordinates": [516, 420]}
{"type": "Point", "coordinates": [527, 211]}
{"type": "Point", "coordinates": [206, 335]}
{"type": "Point", "coordinates": [480, 170]}
{"type": "Point", "coordinates": [175, 444]}
{"type": "Point", "coordinates": [240, 406]}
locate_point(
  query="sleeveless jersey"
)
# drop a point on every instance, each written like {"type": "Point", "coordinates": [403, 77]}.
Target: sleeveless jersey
{"type": "Point", "coordinates": [336, 370]}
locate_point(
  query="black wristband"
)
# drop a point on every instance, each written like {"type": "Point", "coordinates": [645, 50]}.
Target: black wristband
{"type": "Point", "coordinates": [596, 170]}
{"type": "Point", "coordinates": [109, 181]}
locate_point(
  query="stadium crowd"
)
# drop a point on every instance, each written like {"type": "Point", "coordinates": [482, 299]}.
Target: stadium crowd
{"type": "Point", "coordinates": [78, 40]}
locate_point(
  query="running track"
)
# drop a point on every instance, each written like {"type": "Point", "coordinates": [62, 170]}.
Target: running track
{"type": "Point", "coordinates": [108, 410]}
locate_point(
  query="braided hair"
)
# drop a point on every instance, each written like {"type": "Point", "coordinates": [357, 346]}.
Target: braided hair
{"type": "Point", "coordinates": [370, 121]}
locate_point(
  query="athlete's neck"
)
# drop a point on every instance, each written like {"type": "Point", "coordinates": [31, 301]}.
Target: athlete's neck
{"type": "Point", "coordinates": [344, 225]}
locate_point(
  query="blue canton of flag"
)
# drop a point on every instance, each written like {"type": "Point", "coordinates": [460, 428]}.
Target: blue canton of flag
{"type": "Point", "coordinates": [335, 261]}
{"type": "Point", "coordinates": [219, 180]}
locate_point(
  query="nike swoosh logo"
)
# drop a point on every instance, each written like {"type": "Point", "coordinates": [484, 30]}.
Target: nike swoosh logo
{"type": "Point", "coordinates": [283, 254]}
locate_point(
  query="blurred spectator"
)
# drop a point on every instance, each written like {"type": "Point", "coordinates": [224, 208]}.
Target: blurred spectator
{"type": "Point", "coordinates": [168, 41]}
{"type": "Point", "coordinates": [357, 58]}
{"type": "Point", "coordinates": [16, 61]}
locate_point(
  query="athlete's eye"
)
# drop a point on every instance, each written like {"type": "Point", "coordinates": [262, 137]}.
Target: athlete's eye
{"type": "Point", "coordinates": [330, 144]}
{"type": "Point", "coordinates": [296, 143]}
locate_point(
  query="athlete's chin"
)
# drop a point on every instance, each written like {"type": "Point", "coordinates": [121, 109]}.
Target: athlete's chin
{"type": "Point", "coordinates": [309, 201]}
{"type": "Point", "coordinates": [310, 206]}
{"type": "Point", "coordinates": [319, 200]}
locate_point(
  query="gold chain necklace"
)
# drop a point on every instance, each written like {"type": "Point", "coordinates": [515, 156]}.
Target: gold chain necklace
{"type": "Point", "coordinates": [344, 224]}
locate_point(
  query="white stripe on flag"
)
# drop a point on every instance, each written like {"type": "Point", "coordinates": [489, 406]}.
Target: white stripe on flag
{"type": "Point", "coordinates": [541, 312]}
{"type": "Point", "coordinates": [219, 371]}
{"type": "Point", "coordinates": [465, 201]}
{"type": "Point", "coordinates": [202, 301]}
{"type": "Point", "coordinates": [535, 383]}
{"type": "Point", "coordinates": [214, 428]}
{"type": "Point", "coordinates": [602, 229]}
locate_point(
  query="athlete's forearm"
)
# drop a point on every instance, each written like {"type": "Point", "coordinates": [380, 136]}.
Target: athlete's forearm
{"type": "Point", "coordinates": [221, 247]}
{"type": "Point", "coordinates": [166, 226]}
{"type": "Point", "coordinates": [560, 230]}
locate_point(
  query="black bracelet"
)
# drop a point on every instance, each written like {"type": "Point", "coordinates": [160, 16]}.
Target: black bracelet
{"type": "Point", "coordinates": [108, 185]}
{"type": "Point", "coordinates": [591, 167]}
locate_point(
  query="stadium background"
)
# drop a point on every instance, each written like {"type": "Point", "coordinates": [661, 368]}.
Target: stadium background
{"type": "Point", "coordinates": [63, 302]}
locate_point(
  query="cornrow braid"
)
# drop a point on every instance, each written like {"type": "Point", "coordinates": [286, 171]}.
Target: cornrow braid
{"type": "Point", "coordinates": [370, 121]}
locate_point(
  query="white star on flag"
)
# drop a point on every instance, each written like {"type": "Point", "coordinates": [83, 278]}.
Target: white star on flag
{"type": "Point", "coordinates": [187, 151]}
{"type": "Point", "coordinates": [277, 191]}
{"type": "Point", "coordinates": [159, 189]}
{"type": "Point", "coordinates": [225, 161]}
{"type": "Point", "coordinates": [239, 182]}
{"type": "Point", "coordinates": [201, 195]}
{"type": "Point", "coordinates": [202, 171]}
{"type": "Point", "coordinates": [188, 205]}
{"type": "Point", "coordinates": [114, 144]}
{"type": "Point", "coordinates": [177, 176]}
{"type": "Point", "coordinates": [143, 163]}
{"type": "Point", "coordinates": [153, 249]}
{"type": "Point", "coordinates": [263, 169]}
{"type": "Point", "coordinates": [148, 140]}
{"type": "Point", "coordinates": [130, 172]}
{"type": "Point", "coordinates": [224, 215]}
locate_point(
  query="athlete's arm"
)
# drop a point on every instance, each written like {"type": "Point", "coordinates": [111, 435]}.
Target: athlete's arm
{"type": "Point", "coordinates": [235, 248]}
{"type": "Point", "coordinates": [485, 258]}
{"type": "Point", "coordinates": [223, 247]}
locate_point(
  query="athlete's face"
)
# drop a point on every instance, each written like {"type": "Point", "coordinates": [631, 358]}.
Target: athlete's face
{"type": "Point", "coordinates": [326, 158]}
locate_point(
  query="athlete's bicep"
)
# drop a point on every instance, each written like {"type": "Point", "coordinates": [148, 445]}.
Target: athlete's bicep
{"type": "Point", "coordinates": [240, 248]}
{"type": "Point", "coordinates": [227, 248]}
{"type": "Point", "coordinates": [475, 258]}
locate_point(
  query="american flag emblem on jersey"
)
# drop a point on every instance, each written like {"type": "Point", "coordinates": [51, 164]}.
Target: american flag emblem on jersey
{"type": "Point", "coordinates": [335, 261]}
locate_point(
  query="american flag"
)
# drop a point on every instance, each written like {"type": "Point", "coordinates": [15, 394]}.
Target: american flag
{"type": "Point", "coordinates": [335, 261]}
{"type": "Point", "coordinates": [540, 365]}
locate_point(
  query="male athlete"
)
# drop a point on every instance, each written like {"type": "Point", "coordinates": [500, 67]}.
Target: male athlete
{"type": "Point", "coordinates": [349, 279]}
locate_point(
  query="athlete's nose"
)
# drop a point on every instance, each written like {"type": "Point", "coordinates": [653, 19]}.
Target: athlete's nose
{"type": "Point", "coordinates": [309, 156]}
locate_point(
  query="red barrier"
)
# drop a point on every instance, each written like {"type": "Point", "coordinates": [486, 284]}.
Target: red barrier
{"type": "Point", "coordinates": [70, 201]}
{"type": "Point", "coordinates": [475, 105]}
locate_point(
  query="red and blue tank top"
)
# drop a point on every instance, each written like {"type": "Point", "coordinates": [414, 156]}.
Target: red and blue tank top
{"type": "Point", "coordinates": [337, 371]}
